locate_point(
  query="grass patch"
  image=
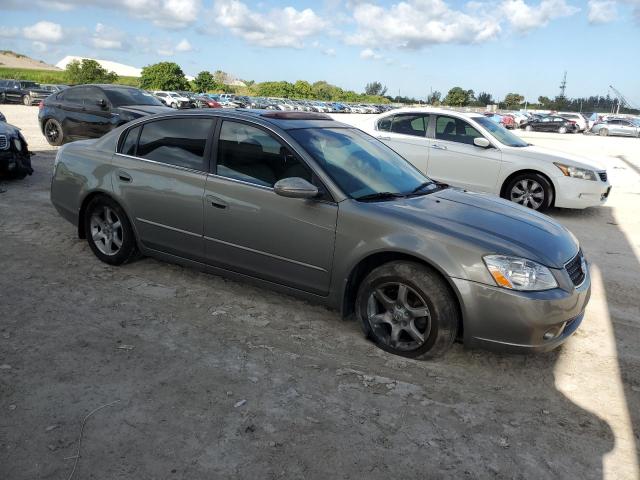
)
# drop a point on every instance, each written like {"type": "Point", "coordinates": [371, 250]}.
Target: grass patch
{"type": "Point", "coordinates": [50, 76]}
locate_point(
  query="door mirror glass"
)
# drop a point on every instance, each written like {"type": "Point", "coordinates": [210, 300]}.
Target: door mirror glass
{"type": "Point", "coordinates": [295, 187]}
{"type": "Point", "coordinates": [481, 142]}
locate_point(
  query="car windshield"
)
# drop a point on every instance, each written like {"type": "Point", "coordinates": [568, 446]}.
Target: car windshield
{"type": "Point", "coordinates": [120, 97]}
{"type": "Point", "coordinates": [361, 165]}
{"type": "Point", "coordinates": [500, 133]}
{"type": "Point", "coordinates": [29, 85]}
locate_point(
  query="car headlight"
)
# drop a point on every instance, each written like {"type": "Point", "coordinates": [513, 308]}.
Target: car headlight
{"type": "Point", "coordinates": [519, 273]}
{"type": "Point", "coordinates": [18, 144]}
{"type": "Point", "coordinates": [576, 172]}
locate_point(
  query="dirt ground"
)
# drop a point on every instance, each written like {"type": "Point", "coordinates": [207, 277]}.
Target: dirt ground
{"type": "Point", "coordinates": [216, 379]}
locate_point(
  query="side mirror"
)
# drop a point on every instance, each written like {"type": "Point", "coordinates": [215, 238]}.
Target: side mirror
{"type": "Point", "coordinates": [102, 103]}
{"type": "Point", "coordinates": [481, 142]}
{"type": "Point", "coordinates": [295, 187]}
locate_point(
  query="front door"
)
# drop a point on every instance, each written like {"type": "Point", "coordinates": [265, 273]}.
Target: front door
{"type": "Point", "coordinates": [455, 160]}
{"type": "Point", "coordinates": [250, 229]}
{"type": "Point", "coordinates": [160, 175]}
{"type": "Point", "coordinates": [406, 134]}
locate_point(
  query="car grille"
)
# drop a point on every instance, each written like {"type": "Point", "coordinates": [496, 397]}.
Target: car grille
{"type": "Point", "coordinates": [574, 269]}
{"type": "Point", "coordinates": [603, 176]}
{"type": "Point", "coordinates": [4, 143]}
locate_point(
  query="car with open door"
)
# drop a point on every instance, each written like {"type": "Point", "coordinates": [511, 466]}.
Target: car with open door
{"type": "Point", "coordinates": [471, 151]}
{"type": "Point", "coordinates": [90, 111]}
{"type": "Point", "coordinates": [301, 203]}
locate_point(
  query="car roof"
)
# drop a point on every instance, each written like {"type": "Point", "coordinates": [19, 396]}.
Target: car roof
{"type": "Point", "coordinates": [436, 111]}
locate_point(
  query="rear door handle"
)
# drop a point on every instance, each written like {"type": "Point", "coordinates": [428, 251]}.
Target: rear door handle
{"type": "Point", "coordinates": [124, 177]}
{"type": "Point", "coordinates": [438, 147]}
{"type": "Point", "coordinates": [384, 138]}
{"type": "Point", "coordinates": [216, 202]}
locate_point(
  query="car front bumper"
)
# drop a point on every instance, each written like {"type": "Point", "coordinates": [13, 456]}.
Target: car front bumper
{"type": "Point", "coordinates": [576, 193]}
{"type": "Point", "coordinates": [510, 321]}
{"type": "Point", "coordinates": [15, 163]}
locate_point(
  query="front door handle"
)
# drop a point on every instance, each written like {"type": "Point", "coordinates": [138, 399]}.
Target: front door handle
{"type": "Point", "coordinates": [384, 138]}
{"type": "Point", "coordinates": [216, 202]}
{"type": "Point", "coordinates": [124, 177]}
{"type": "Point", "coordinates": [438, 147]}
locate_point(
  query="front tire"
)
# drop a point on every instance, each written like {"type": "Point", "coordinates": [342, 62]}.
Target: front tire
{"type": "Point", "coordinates": [530, 190]}
{"type": "Point", "coordinates": [54, 133]}
{"type": "Point", "coordinates": [109, 232]}
{"type": "Point", "coordinates": [528, 128]}
{"type": "Point", "coordinates": [26, 100]}
{"type": "Point", "coordinates": [406, 309]}
{"type": "Point", "coordinates": [603, 132]}
{"type": "Point", "coordinates": [562, 130]}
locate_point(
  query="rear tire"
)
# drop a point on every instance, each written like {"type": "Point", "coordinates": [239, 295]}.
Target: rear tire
{"type": "Point", "coordinates": [3, 99]}
{"type": "Point", "coordinates": [54, 133]}
{"type": "Point", "coordinates": [603, 132]}
{"type": "Point", "coordinates": [528, 128]}
{"type": "Point", "coordinates": [407, 309]}
{"type": "Point", "coordinates": [109, 232]}
{"type": "Point", "coordinates": [530, 190]}
{"type": "Point", "coordinates": [562, 130]}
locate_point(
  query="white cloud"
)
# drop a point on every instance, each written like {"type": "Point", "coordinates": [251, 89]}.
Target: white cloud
{"type": "Point", "coordinates": [330, 52]}
{"type": "Point", "coordinates": [369, 54]}
{"type": "Point", "coordinates": [524, 17]}
{"type": "Point", "coordinates": [281, 27]}
{"type": "Point", "coordinates": [44, 32]}
{"type": "Point", "coordinates": [9, 32]}
{"type": "Point", "coordinates": [602, 11]}
{"type": "Point", "coordinates": [108, 38]}
{"type": "Point", "coordinates": [184, 46]}
{"type": "Point", "coordinates": [414, 24]}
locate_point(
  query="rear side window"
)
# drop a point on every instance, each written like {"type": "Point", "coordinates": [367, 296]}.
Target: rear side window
{"type": "Point", "coordinates": [130, 142]}
{"type": "Point", "coordinates": [384, 124]}
{"type": "Point", "coordinates": [410, 124]}
{"type": "Point", "coordinates": [75, 95]}
{"type": "Point", "coordinates": [180, 142]}
{"type": "Point", "coordinates": [252, 155]}
{"type": "Point", "coordinates": [455, 130]}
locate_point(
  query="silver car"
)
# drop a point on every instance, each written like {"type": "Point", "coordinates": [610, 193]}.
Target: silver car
{"type": "Point", "coordinates": [301, 203]}
{"type": "Point", "coordinates": [617, 126]}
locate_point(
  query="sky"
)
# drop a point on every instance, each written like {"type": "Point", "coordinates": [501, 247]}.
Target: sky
{"type": "Point", "coordinates": [411, 46]}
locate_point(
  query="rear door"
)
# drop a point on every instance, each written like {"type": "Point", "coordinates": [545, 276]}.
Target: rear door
{"type": "Point", "coordinates": [250, 229]}
{"type": "Point", "coordinates": [455, 160]}
{"type": "Point", "coordinates": [72, 104]}
{"type": "Point", "coordinates": [406, 133]}
{"type": "Point", "coordinates": [159, 175]}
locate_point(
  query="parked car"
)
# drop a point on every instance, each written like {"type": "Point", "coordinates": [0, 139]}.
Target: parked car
{"type": "Point", "coordinates": [578, 118]}
{"type": "Point", "coordinates": [173, 99]}
{"type": "Point", "coordinates": [313, 207]}
{"type": "Point", "coordinates": [506, 121]}
{"type": "Point", "coordinates": [617, 126]}
{"type": "Point", "coordinates": [90, 111]}
{"type": "Point", "coordinates": [551, 123]}
{"type": "Point", "coordinates": [470, 151]}
{"type": "Point", "coordinates": [20, 91]}
{"type": "Point", "coordinates": [15, 157]}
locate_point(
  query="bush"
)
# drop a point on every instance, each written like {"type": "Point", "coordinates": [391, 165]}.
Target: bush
{"type": "Point", "coordinates": [88, 71]}
{"type": "Point", "coordinates": [163, 76]}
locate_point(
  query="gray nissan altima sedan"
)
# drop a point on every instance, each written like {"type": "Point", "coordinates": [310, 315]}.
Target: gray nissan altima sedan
{"type": "Point", "coordinates": [313, 207]}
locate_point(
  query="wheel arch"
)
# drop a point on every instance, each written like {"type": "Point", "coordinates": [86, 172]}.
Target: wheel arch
{"type": "Point", "coordinates": [83, 209]}
{"type": "Point", "coordinates": [511, 176]}
{"type": "Point", "coordinates": [374, 260]}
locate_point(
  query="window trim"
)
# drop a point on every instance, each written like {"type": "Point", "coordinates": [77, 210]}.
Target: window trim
{"type": "Point", "coordinates": [434, 133]}
{"type": "Point", "coordinates": [206, 157]}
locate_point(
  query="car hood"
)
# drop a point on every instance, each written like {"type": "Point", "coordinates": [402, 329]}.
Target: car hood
{"type": "Point", "coordinates": [497, 225]}
{"type": "Point", "coordinates": [539, 153]}
{"type": "Point", "coordinates": [8, 129]}
{"type": "Point", "coordinates": [142, 110]}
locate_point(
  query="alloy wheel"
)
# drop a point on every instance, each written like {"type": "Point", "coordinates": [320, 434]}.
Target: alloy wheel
{"type": "Point", "coordinates": [106, 230]}
{"type": "Point", "coordinates": [399, 316]}
{"type": "Point", "coordinates": [52, 131]}
{"type": "Point", "coordinates": [528, 192]}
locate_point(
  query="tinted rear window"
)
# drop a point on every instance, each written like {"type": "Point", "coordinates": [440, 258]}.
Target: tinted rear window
{"type": "Point", "coordinates": [120, 97]}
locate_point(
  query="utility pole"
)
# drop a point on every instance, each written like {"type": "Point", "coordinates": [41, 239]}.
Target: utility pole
{"type": "Point", "coordinates": [563, 85]}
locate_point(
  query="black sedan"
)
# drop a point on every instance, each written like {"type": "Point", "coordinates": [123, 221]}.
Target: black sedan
{"type": "Point", "coordinates": [90, 111]}
{"type": "Point", "coordinates": [551, 123]}
{"type": "Point", "coordinates": [15, 158]}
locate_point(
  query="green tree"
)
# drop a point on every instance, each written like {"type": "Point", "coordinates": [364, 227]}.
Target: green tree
{"type": "Point", "coordinates": [88, 71]}
{"type": "Point", "coordinates": [204, 82]}
{"type": "Point", "coordinates": [375, 88]}
{"type": "Point", "coordinates": [275, 89]}
{"type": "Point", "coordinates": [302, 89]}
{"type": "Point", "coordinates": [457, 97]}
{"type": "Point", "coordinates": [485, 99]}
{"type": "Point", "coordinates": [163, 76]}
{"type": "Point", "coordinates": [434, 98]}
{"type": "Point", "coordinates": [512, 100]}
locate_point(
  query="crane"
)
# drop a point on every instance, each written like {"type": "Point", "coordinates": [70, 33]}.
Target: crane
{"type": "Point", "coordinates": [621, 100]}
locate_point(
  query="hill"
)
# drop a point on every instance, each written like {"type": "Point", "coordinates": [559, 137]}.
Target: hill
{"type": "Point", "coordinates": [9, 59]}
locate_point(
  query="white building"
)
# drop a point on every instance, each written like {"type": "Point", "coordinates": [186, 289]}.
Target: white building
{"type": "Point", "coordinates": [119, 68]}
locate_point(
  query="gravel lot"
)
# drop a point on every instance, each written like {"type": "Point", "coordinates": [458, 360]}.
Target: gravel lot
{"type": "Point", "coordinates": [218, 379]}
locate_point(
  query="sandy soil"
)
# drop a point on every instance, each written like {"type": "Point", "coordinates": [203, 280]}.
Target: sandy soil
{"type": "Point", "coordinates": [218, 379]}
{"type": "Point", "coordinates": [11, 60]}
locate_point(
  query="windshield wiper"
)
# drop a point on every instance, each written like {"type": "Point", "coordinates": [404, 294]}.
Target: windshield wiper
{"type": "Point", "coordinates": [378, 196]}
{"type": "Point", "coordinates": [436, 186]}
{"type": "Point", "coordinates": [420, 187]}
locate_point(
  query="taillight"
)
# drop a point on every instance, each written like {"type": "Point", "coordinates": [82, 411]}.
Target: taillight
{"type": "Point", "coordinates": [41, 105]}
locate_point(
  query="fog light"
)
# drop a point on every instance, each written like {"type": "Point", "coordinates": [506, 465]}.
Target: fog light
{"type": "Point", "coordinates": [553, 332]}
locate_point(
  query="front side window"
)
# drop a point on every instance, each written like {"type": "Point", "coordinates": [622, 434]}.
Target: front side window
{"type": "Point", "coordinates": [455, 130]}
{"type": "Point", "coordinates": [180, 142]}
{"type": "Point", "coordinates": [500, 133]}
{"type": "Point", "coordinates": [359, 164]}
{"type": "Point", "coordinates": [120, 97]}
{"type": "Point", "coordinates": [251, 155]}
{"type": "Point", "coordinates": [76, 95]}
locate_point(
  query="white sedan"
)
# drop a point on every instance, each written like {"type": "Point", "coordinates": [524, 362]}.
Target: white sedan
{"type": "Point", "coordinates": [470, 151]}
